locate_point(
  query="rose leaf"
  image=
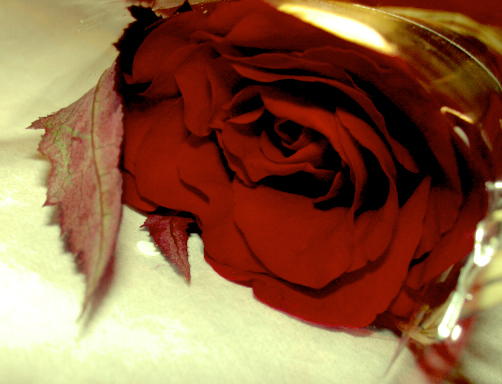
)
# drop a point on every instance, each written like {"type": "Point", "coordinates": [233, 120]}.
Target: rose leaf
{"type": "Point", "coordinates": [82, 142]}
{"type": "Point", "coordinates": [170, 234]}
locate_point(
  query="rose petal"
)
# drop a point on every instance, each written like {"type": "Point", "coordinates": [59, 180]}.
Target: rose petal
{"type": "Point", "coordinates": [382, 78]}
{"type": "Point", "coordinates": [296, 241]}
{"type": "Point", "coordinates": [442, 213]}
{"type": "Point", "coordinates": [296, 62]}
{"type": "Point", "coordinates": [284, 105]}
{"type": "Point", "coordinates": [264, 29]}
{"type": "Point", "coordinates": [200, 165]}
{"type": "Point", "coordinates": [223, 80]}
{"type": "Point", "coordinates": [200, 168]}
{"type": "Point", "coordinates": [166, 38]}
{"type": "Point", "coordinates": [163, 83]}
{"type": "Point", "coordinates": [130, 194]}
{"type": "Point", "coordinates": [157, 155]}
{"type": "Point", "coordinates": [392, 79]}
{"type": "Point", "coordinates": [138, 120]}
{"type": "Point", "coordinates": [312, 154]}
{"type": "Point", "coordinates": [356, 298]}
{"type": "Point", "coordinates": [374, 228]}
{"type": "Point", "coordinates": [369, 139]}
{"type": "Point", "coordinates": [245, 157]}
{"type": "Point", "coordinates": [195, 89]}
{"type": "Point", "coordinates": [355, 94]}
{"type": "Point", "coordinates": [223, 19]}
{"type": "Point", "coordinates": [244, 151]}
{"type": "Point", "coordinates": [341, 129]}
{"type": "Point", "coordinates": [455, 244]}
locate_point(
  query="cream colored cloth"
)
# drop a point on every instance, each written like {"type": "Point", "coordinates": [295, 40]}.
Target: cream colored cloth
{"type": "Point", "coordinates": [152, 327]}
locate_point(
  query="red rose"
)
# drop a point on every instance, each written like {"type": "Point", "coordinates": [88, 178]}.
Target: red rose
{"type": "Point", "coordinates": [320, 172]}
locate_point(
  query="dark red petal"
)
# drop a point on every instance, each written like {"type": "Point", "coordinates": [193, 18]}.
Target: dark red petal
{"type": "Point", "coordinates": [296, 62]}
{"type": "Point", "coordinates": [312, 154]}
{"type": "Point", "coordinates": [195, 89]}
{"type": "Point", "coordinates": [393, 79]}
{"type": "Point", "coordinates": [246, 158]}
{"type": "Point", "coordinates": [373, 229]}
{"type": "Point", "coordinates": [357, 95]}
{"type": "Point", "coordinates": [138, 120]}
{"type": "Point", "coordinates": [266, 28]}
{"type": "Point", "coordinates": [455, 245]}
{"type": "Point", "coordinates": [240, 276]}
{"type": "Point", "coordinates": [225, 242]}
{"type": "Point", "coordinates": [441, 216]}
{"type": "Point", "coordinates": [223, 80]}
{"type": "Point", "coordinates": [342, 137]}
{"type": "Point", "coordinates": [225, 17]}
{"type": "Point", "coordinates": [153, 56]}
{"type": "Point", "coordinates": [284, 105]}
{"type": "Point", "coordinates": [163, 83]}
{"type": "Point", "coordinates": [296, 241]}
{"type": "Point", "coordinates": [356, 298]}
{"type": "Point", "coordinates": [130, 194]}
{"type": "Point", "coordinates": [201, 168]}
{"type": "Point", "coordinates": [157, 158]}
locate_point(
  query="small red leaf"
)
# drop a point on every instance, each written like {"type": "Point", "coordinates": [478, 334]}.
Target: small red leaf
{"type": "Point", "coordinates": [82, 142]}
{"type": "Point", "coordinates": [170, 234]}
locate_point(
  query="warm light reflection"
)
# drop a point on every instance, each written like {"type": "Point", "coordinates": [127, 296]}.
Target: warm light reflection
{"type": "Point", "coordinates": [451, 315]}
{"type": "Point", "coordinates": [455, 334]}
{"type": "Point", "coordinates": [482, 260]}
{"type": "Point", "coordinates": [479, 234]}
{"type": "Point", "coordinates": [443, 331]}
{"type": "Point", "coordinates": [482, 255]}
{"type": "Point", "coordinates": [461, 133]}
{"type": "Point", "coordinates": [147, 248]}
{"type": "Point", "coordinates": [460, 115]}
{"type": "Point", "coordinates": [346, 28]}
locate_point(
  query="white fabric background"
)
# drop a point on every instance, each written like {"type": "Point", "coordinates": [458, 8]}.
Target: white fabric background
{"type": "Point", "coordinates": [152, 327]}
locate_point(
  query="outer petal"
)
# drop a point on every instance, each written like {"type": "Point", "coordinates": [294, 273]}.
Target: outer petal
{"type": "Point", "coordinates": [138, 121]}
{"type": "Point", "coordinates": [442, 213]}
{"type": "Point", "coordinates": [201, 169]}
{"type": "Point", "coordinates": [356, 298]}
{"type": "Point", "coordinates": [191, 77]}
{"type": "Point", "coordinates": [167, 38]}
{"type": "Point", "coordinates": [265, 28]}
{"type": "Point", "coordinates": [130, 194]}
{"type": "Point", "coordinates": [455, 245]}
{"type": "Point", "coordinates": [296, 241]}
{"type": "Point", "coordinates": [157, 158]}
